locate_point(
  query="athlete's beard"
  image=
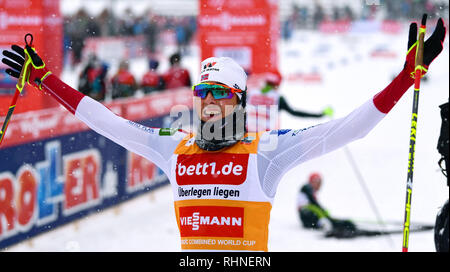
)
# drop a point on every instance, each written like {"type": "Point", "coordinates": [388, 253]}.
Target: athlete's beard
{"type": "Point", "coordinates": [215, 135]}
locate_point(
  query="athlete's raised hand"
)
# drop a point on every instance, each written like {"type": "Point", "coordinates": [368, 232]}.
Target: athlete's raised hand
{"type": "Point", "coordinates": [432, 47]}
{"type": "Point", "coordinates": [34, 68]}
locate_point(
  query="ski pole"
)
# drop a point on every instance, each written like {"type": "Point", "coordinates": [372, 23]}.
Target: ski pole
{"type": "Point", "coordinates": [412, 138]}
{"type": "Point", "coordinates": [19, 87]}
{"type": "Point", "coordinates": [366, 191]}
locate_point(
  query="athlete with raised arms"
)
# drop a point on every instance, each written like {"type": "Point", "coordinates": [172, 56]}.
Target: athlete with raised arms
{"type": "Point", "coordinates": [224, 179]}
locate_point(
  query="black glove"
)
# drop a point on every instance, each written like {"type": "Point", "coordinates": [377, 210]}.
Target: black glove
{"type": "Point", "coordinates": [35, 70]}
{"type": "Point", "coordinates": [432, 46]}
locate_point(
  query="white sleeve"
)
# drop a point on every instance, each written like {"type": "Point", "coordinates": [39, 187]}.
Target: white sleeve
{"type": "Point", "coordinates": [137, 138]}
{"type": "Point", "coordinates": [281, 150]}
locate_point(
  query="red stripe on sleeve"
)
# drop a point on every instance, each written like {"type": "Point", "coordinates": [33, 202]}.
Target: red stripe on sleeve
{"type": "Point", "coordinates": [386, 99]}
{"type": "Point", "coordinates": [63, 93]}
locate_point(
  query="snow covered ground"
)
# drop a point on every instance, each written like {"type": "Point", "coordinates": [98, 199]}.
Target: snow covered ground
{"type": "Point", "coordinates": [350, 77]}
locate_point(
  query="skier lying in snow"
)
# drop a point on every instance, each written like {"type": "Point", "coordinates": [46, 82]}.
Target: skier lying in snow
{"type": "Point", "coordinates": [314, 216]}
{"type": "Point", "coordinates": [224, 179]}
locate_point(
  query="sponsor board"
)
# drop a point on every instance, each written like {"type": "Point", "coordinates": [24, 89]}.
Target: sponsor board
{"type": "Point", "coordinates": [49, 178]}
{"type": "Point", "coordinates": [43, 20]}
{"type": "Point", "coordinates": [54, 181]}
{"type": "Point", "coordinates": [247, 31]}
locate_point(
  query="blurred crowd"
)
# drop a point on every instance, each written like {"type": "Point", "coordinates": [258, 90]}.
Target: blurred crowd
{"type": "Point", "coordinates": [413, 9]}
{"type": "Point", "coordinates": [93, 79]}
{"type": "Point", "coordinates": [80, 26]}
{"type": "Point", "coordinates": [310, 17]}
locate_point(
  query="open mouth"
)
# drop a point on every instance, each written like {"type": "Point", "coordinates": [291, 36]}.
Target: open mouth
{"type": "Point", "coordinates": [211, 111]}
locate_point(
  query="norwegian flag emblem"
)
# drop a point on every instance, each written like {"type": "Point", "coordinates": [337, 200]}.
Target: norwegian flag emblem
{"type": "Point", "coordinates": [204, 77]}
{"type": "Point", "coordinates": [209, 65]}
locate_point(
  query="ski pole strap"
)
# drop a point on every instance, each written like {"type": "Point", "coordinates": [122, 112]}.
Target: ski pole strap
{"type": "Point", "coordinates": [23, 78]}
{"type": "Point", "coordinates": [42, 79]}
{"type": "Point", "coordinates": [422, 69]}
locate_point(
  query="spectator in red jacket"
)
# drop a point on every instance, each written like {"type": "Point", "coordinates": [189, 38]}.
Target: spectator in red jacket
{"type": "Point", "coordinates": [123, 83]}
{"type": "Point", "coordinates": [176, 76]}
{"type": "Point", "coordinates": [152, 80]}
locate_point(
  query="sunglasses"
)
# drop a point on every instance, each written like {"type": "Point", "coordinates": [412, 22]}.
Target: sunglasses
{"type": "Point", "coordinates": [218, 91]}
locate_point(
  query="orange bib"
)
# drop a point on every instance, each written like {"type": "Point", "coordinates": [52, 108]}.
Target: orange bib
{"type": "Point", "coordinates": [219, 203]}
